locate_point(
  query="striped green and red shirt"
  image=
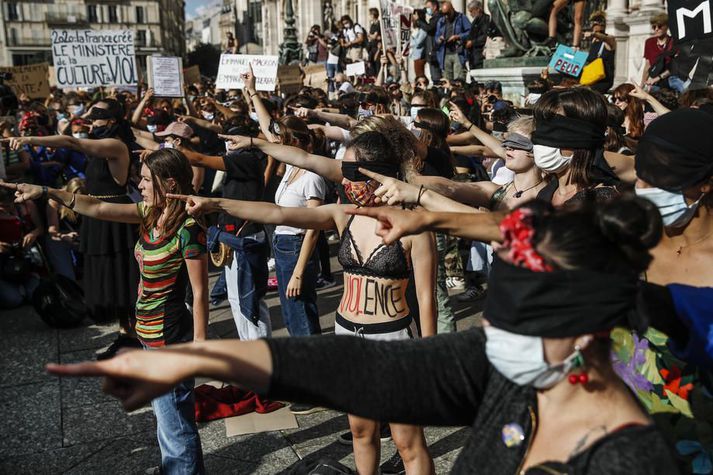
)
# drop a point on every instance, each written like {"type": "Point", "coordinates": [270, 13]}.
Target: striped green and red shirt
{"type": "Point", "coordinates": [162, 317]}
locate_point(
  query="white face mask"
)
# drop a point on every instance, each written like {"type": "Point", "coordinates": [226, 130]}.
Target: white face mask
{"type": "Point", "coordinates": [414, 111]}
{"type": "Point", "coordinates": [152, 128]}
{"type": "Point", "coordinates": [672, 206]}
{"type": "Point", "coordinates": [207, 115]}
{"type": "Point", "coordinates": [80, 135]}
{"type": "Point", "coordinates": [167, 145]}
{"type": "Point", "coordinates": [521, 359]}
{"type": "Point", "coordinates": [364, 113]}
{"type": "Point", "coordinates": [253, 116]}
{"type": "Point", "coordinates": [550, 159]}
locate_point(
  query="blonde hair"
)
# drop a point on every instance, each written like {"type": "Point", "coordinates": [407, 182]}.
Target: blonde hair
{"type": "Point", "coordinates": [75, 185]}
{"type": "Point", "coordinates": [599, 16]}
{"type": "Point", "coordinates": [660, 19]}
{"type": "Point", "coordinates": [403, 141]}
{"type": "Point", "coordinates": [522, 125]}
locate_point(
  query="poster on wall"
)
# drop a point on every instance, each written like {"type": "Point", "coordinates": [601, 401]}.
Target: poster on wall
{"type": "Point", "coordinates": [92, 58]}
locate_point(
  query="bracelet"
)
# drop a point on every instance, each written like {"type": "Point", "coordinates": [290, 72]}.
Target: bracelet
{"type": "Point", "coordinates": [469, 127]}
{"type": "Point", "coordinates": [45, 192]}
{"type": "Point", "coordinates": [253, 95]}
{"type": "Point", "coordinates": [421, 191]}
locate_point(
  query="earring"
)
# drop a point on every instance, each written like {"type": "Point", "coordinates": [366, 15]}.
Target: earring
{"type": "Point", "coordinates": [578, 362]}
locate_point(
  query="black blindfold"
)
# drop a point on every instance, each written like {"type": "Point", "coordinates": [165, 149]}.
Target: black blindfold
{"type": "Point", "coordinates": [350, 170]}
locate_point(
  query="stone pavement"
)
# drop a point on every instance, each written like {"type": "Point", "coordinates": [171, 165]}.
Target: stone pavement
{"type": "Point", "coordinates": [53, 425]}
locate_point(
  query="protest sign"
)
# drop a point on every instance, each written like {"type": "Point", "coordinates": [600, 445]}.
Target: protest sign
{"type": "Point", "coordinates": [316, 76]}
{"type": "Point", "coordinates": [233, 65]}
{"type": "Point", "coordinates": [165, 75]}
{"type": "Point", "coordinates": [690, 19]}
{"type": "Point", "coordinates": [32, 80]}
{"type": "Point", "coordinates": [91, 58]}
{"type": "Point", "coordinates": [356, 69]}
{"type": "Point", "coordinates": [389, 32]}
{"type": "Point", "coordinates": [405, 30]}
{"type": "Point", "coordinates": [192, 75]}
{"type": "Point", "coordinates": [290, 78]}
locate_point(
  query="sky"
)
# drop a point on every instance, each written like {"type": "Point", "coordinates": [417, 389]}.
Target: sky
{"type": "Point", "coordinates": [193, 7]}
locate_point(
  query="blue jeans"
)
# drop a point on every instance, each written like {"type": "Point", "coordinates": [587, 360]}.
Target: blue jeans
{"type": "Point", "coordinates": [300, 314]}
{"type": "Point", "coordinates": [220, 288]}
{"type": "Point", "coordinates": [176, 430]}
{"type": "Point", "coordinates": [331, 72]}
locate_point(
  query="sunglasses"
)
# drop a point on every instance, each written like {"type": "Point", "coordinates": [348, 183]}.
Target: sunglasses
{"type": "Point", "coordinates": [658, 27]}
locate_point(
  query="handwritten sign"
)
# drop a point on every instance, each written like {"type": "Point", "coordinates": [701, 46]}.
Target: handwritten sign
{"type": "Point", "coordinates": [389, 25]}
{"type": "Point", "coordinates": [316, 76]}
{"type": "Point", "coordinates": [405, 15]}
{"type": "Point", "coordinates": [290, 78]}
{"type": "Point", "coordinates": [90, 58]}
{"type": "Point", "coordinates": [192, 74]}
{"type": "Point", "coordinates": [233, 65]}
{"type": "Point", "coordinates": [356, 69]}
{"type": "Point", "coordinates": [32, 80]}
{"type": "Point", "coordinates": [165, 75]}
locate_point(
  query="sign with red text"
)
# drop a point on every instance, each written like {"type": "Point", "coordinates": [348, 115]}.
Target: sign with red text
{"type": "Point", "coordinates": [568, 61]}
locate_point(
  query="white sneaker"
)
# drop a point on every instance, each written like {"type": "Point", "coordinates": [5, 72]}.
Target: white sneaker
{"type": "Point", "coordinates": [271, 264]}
{"type": "Point", "coordinates": [457, 283]}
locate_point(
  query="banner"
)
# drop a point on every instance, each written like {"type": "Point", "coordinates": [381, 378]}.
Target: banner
{"type": "Point", "coordinates": [91, 58]}
{"type": "Point", "coordinates": [316, 76]}
{"type": "Point", "coordinates": [356, 69]}
{"type": "Point", "coordinates": [289, 78]}
{"type": "Point", "coordinates": [389, 25]}
{"type": "Point", "coordinates": [192, 75]}
{"type": "Point", "coordinates": [165, 75]}
{"type": "Point", "coordinates": [690, 19]}
{"type": "Point", "coordinates": [233, 65]}
{"type": "Point", "coordinates": [32, 80]}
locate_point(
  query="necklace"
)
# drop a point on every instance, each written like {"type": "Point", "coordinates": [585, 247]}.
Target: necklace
{"type": "Point", "coordinates": [680, 248]}
{"type": "Point", "coordinates": [518, 194]}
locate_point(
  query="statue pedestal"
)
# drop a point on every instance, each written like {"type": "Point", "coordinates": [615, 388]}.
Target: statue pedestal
{"type": "Point", "coordinates": [512, 73]}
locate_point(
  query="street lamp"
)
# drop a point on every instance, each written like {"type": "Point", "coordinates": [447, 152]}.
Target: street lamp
{"type": "Point", "coordinates": [290, 49]}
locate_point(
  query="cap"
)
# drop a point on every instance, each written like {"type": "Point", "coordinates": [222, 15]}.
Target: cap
{"type": "Point", "coordinates": [518, 142]}
{"type": "Point", "coordinates": [179, 129]}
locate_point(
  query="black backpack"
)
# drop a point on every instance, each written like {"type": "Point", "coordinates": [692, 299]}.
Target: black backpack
{"type": "Point", "coordinates": [60, 302]}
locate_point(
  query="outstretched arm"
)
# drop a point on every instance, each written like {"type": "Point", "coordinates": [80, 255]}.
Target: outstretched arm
{"type": "Point", "coordinates": [483, 137]}
{"type": "Point", "coordinates": [83, 204]}
{"type": "Point", "coordinates": [322, 217]}
{"type": "Point", "coordinates": [396, 223]}
{"type": "Point", "coordinates": [323, 166]}
{"type": "Point", "coordinates": [340, 120]}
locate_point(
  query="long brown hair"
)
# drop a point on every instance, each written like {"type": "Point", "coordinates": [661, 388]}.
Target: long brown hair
{"type": "Point", "coordinates": [165, 164]}
{"type": "Point", "coordinates": [294, 131]}
{"type": "Point", "coordinates": [634, 111]}
{"type": "Point", "coordinates": [402, 140]}
{"type": "Point", "coordinates": [579, 103]}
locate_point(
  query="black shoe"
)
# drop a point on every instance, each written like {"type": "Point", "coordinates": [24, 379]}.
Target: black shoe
{"type": "Point", "coordinates": [304, 409]}
{"type": "Point", "coordinates": [122, 341]}
{"type": "Point", "coordinates": [395, 465]}
{"type": "Point", "coordinates": [347, 438]}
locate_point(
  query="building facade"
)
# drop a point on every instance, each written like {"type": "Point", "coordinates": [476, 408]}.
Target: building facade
{"type": "Point", "coordinates": [26, 26]}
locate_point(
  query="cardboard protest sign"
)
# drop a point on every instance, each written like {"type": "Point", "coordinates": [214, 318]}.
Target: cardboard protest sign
{"type": "Point", "coordinates": [165, 75]}
{"type": "Point", "coordinates": [405, 30]}
{"type": "Point", "coordinates": [290, 78]}
{"type": "Point", "coordinates": [389, 24]}
{"type": "Point", "coordinates": [192, 74]}
{"type": "Point", "coordinates": [690, 19]}
{"type": "Point", "coordinates": [316, 76]}
{"type": "Point", "coordinates": [356, 69]}
{"type": "Point", "coordinates": [233, 65]}
{"type": "Point", "coordinates": [32, 80]}
{"type": "Point", "coordinates": [91, 58]}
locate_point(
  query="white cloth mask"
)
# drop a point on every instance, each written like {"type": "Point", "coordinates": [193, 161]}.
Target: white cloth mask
{"type": "Point", "coordinates": [550, 159]}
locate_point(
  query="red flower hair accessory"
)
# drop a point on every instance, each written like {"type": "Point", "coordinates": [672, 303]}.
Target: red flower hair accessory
{"type": "Point", "coordinates": [517, 232]}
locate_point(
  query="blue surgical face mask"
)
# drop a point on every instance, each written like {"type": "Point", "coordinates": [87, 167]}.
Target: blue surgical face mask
{"type": "Point", "coordinates": [521, 359]}
{"type": "Point", "coordinates": [80, 135]}
{"type": "Point", "coordinates": [429, 11]}
{"type": "Point", "coordinates": [675, 212]}
{"type": "Point", "coordinates": [364, 113]}
{"type": "Point", "coordinates": [253, 116]}
{"type": "Point", "coordinates": [414, 112]}
{"type": "Point", "coordinates": [166, 145]}
{"type": "Point", "coordinates": [152, 128]}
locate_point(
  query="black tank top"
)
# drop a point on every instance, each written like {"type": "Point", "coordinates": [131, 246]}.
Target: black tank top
{"type": "Point", "coordinates": [385, 261]}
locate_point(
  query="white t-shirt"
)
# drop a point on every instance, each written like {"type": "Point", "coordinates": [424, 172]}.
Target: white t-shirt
{"type": "Point", "coordinates": [332, 58]}
{"type": "Point", "coordinates": [346, 88]}
{"type": "Point", "coordinates": [308, 186]}
{"type": "Point", "coordinates": [352, 33]}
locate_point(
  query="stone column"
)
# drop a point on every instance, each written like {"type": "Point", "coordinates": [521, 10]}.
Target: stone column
{"type": "Point", "coordinates": [617, 11]}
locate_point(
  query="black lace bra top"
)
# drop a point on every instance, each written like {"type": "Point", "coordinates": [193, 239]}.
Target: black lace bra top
{"type": "Point", "coordinates": [388, 262]}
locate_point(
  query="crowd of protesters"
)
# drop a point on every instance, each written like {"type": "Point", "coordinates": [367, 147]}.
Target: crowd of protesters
{"type": "Point", "coordinates": [582, 216]}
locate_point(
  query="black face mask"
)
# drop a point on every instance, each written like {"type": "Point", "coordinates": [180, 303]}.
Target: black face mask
{"type": "Point", "coordinates": [103, 132]}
